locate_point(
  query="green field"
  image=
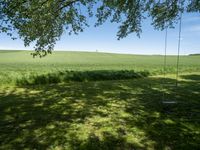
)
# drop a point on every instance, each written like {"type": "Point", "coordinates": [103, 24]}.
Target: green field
{"type": "Point", "coordinates": [125, 114]}
{"type": "Point", "coordinates": [19, 64]}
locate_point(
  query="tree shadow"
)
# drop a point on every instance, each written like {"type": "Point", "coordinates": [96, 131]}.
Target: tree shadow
{"type": "Point", "coordinates": [101, 115]}
{"type": "Point", "coordinates": [193, 77]}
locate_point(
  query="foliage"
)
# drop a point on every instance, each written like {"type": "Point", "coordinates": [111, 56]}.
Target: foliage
{"type": "Point", "coordinates": [102, 115]}
{"type": "Point", "coordinates": [194, 54]}
{"type": "Point", "coordinates": [44, 21]}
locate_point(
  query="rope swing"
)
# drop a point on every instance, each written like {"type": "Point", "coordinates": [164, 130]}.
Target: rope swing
{"type": "Point", "coordinates": [177, 62]}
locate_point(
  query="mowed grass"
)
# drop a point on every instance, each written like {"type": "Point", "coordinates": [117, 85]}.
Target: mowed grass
{"type": "Point", "coordinates": [17, 65]}
{"type": "Point", "coordinates": [103, 115]}
{"type": "Point", "coordinates": [98, 114]}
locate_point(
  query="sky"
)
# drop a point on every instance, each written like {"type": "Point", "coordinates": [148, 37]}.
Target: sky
{"type": "Point", "coordinates": [104, 39]}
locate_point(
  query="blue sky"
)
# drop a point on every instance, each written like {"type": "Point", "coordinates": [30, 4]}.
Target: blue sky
{"type": "Point", "coordinates": [104, 39]}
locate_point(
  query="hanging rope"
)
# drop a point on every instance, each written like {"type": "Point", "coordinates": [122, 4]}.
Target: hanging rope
{"type": "Point", "coordinates": [165, 58]}
{"type": "Point", "coordinates": [165, 61]}
{"type": "Point", "coordinates": [179, 46]}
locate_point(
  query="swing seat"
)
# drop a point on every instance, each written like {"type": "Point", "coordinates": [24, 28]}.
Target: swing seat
{"type": "Point", "coordinates": [169, 102]}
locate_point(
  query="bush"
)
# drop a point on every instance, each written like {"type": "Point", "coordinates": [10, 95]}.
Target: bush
{"type": "Point", "coordinates": [81, 76]}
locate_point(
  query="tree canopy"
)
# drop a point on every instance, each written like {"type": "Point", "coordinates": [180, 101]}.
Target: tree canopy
{"type": "Point", "coordinates": [44, 21]}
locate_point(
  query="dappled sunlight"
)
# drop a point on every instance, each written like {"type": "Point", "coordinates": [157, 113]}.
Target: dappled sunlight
{"type": "Point", "coordinates": [101, 115]}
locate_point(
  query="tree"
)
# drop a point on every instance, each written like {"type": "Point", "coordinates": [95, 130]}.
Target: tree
{"type": "Point", "coordinates": [44, 21]}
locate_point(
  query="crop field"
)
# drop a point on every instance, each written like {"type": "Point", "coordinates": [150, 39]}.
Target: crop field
{"type": "Point", "coordinates": [98, 101]}
{"type": "Point", "coordinates": [17, 65]}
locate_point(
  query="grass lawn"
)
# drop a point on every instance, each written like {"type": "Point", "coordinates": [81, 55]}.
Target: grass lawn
{"type": "Point", "coordinates": [118, 115]}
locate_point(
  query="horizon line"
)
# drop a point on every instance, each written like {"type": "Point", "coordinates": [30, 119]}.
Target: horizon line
{"type": "Point", "coordinates": [98, 51]}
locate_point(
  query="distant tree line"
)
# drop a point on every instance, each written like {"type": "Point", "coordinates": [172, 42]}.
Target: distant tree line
{"type": "Point", "coordinates": [194, 54]}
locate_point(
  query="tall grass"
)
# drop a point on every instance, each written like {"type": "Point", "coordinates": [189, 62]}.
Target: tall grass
{"type": "Point", "coordinates": [80, 76]}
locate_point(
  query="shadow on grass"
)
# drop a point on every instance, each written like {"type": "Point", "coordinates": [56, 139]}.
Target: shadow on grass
{"type": "Point", "coordinates": [81, 76]}
{"type": "Point", "coordinates": [101, 115]}
{"type": "Point", "coordinates": [193, 77]}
